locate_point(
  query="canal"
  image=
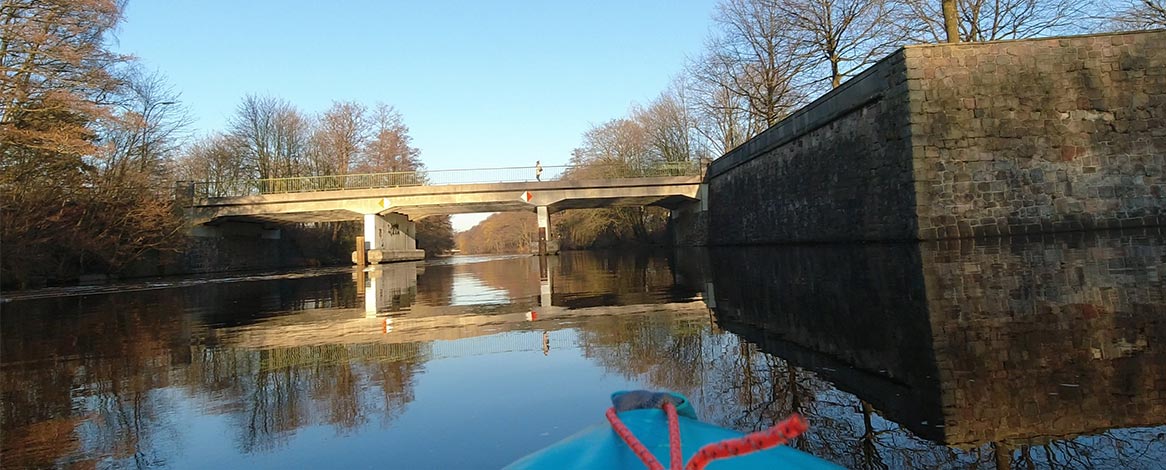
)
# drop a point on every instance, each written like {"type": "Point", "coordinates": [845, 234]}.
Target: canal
{"type": "Point", "coordinates": [1003, 353]}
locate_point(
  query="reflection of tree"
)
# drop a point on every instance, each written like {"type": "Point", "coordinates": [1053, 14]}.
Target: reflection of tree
{"type": "Point", "coordinates": [587, 279]}
{"type": "Point", "coordinates": [272, 393]}
{"type": "Point", "coordinates": [581, 279]}
{"type": "Point", "coordinates": [125, 360]}
{"type": "Point", "coordinates": [112, 363]}
{"type": "Point", "coordinates": [735, 384]}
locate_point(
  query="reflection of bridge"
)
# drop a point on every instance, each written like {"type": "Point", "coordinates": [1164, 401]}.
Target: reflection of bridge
{"type": "Point", "coordinates": [390, 315]}
{"type": "Point", "coordinates": [390, 202]}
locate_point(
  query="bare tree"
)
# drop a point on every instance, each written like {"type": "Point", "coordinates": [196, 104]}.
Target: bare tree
{"type": "Point", "coordinates": [751, 62]}
{"type": "Point", "coordinates": [846, 35]}
{"type": "Point", "coordinates": [146, 130]}
{"type": "Point", "coordinates": [669, 125]}
{"type": "Point", "coordinates": [985, 20]}
{"type": "Point", "coordinates": [58, 85]}
{"type": "Point", "coordinates": [1140, 14]}
{"type": "Point", "coordinates": [390, 147]}
{"type": "Point", "coordinates": [340, 135]}
{"type": "Point", "coordinates": [274, 134]}
{"type": "Point", "coordinates": [217, 162]}
{"type": "Point", "coordinates": [721, 116]}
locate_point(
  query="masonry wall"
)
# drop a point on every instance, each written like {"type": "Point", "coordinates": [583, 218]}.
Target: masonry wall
{"type": "Point", "coordinates": [952, 141]}
{"type": "Point", "coordinates": [835, 170]}
{"type": "Point", "coordinates": [1039, 135]}
{"type": "Point", "coordinates": [248, 247]}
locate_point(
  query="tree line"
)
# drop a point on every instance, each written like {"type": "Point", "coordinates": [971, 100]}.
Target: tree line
{"type": "Point", "coordinates": [85, 140]}
{"type": "Point", "coordinates": [269, 137]}
{"type": "Point", "coordinates": [91, 144]}
{"type": "Point", "coordinates": [764, 59]}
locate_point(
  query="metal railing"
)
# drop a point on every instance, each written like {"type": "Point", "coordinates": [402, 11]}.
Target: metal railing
{"type": "Point", "coordinates": [213, 189]}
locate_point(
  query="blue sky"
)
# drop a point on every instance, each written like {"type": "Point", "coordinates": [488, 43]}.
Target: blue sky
{"type": "Point", "coordinates": [480, 83]}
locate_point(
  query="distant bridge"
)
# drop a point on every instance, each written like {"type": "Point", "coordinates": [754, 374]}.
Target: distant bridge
{"type": "Point", "coordinates": [389, 203]}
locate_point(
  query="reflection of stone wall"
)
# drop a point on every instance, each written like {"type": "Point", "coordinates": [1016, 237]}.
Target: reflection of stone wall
{"type": "Point", "coordinates": [853, 314]}
{"type": "Point", "coordinates": [1006, 339]}
{"type": "Point", "coordinates": [1047, 338]}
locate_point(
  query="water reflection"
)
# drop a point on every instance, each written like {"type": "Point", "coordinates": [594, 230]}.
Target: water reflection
{"type": "Point", "coordinates": [1030, 353]}
{"type": "Point", "coordinates": [1007, 349]}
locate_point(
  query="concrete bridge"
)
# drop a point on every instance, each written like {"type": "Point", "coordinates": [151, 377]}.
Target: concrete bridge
{"type": "Point", "coordinates": [390, 203]}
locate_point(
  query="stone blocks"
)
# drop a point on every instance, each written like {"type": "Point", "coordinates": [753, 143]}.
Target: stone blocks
{"type": "Point", "coordinates": [963, 140]}
{"type": "Point", "coordinates": [1055, 135]}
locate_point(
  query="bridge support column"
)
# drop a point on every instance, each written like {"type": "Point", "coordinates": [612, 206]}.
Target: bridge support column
{"type": "Point", "coordinates": [388, 238]}
{"type": "Point", "coordinates": [544, 228]}
{"type": "Point", "coordinates": [689, 223]}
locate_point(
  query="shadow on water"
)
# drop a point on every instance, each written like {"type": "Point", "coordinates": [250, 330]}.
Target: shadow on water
{"type": "Point", "coordinates": [1033, 353]}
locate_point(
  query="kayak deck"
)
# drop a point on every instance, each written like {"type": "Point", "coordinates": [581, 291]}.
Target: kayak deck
{"type": "Point", "coordinates": [600, 447]}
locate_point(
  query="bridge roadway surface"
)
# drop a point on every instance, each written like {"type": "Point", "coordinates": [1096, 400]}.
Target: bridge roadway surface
{"type": "Point", "coordinates": [417, 202]}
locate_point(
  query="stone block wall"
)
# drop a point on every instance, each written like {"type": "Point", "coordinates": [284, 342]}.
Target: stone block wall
{"type": "Point", "coordinates": [689, 227]}
{"type": "Point", "coordinates": [1039, 135]}
{"type": "Point", "coordinates": [834, 170]}
{"type": "Point", "coordinates": [953, 141]}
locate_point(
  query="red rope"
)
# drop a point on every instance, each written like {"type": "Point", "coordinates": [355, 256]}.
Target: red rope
{"type": "Point", "coordinates": [779, 434]}
{"type": "Point", "coordinates": [674, 436]}
{"type": "Point", "coordinates": [633, 443]}
{"type": "Point", "coordinates": [760, 440]}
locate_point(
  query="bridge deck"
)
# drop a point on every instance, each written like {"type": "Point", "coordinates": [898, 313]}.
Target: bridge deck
{"type": "Point", "coordinates": [421, 201]}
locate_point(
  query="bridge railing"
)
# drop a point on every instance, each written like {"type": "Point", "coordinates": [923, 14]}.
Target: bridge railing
{"type": "Point", "coordinates": [212, 189]}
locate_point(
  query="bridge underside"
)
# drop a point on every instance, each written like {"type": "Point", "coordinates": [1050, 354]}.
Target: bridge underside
{"type": "Point", "coordinates": [420, 202]}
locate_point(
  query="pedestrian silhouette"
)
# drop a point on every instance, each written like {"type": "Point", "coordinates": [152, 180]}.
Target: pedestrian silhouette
{"type": "Point", "coordinates": [538, 170]}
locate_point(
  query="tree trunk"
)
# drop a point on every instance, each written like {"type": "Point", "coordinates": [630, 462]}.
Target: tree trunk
{"type": "Point", "coordinates": [951, 21]}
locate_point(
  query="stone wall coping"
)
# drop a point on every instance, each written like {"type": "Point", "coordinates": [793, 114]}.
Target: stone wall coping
{"type": "Point", "coordinates": [1036, 39]}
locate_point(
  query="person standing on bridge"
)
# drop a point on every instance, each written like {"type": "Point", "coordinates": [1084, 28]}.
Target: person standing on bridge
{"type": "Point", "coordinates": [538, 170]}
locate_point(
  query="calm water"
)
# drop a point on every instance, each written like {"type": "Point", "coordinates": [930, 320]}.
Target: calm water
{"type": "Point", "coordinates": [1029, 353]}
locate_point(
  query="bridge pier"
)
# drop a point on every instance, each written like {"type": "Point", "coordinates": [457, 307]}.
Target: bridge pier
{"type": "Point", "coordinates": [389, 238]}
{"type": "Point", "coordinates": [544, 226]}
{"type": "Point", "coordinates": [547, 245]}
{"type": "Point", "coordinates": [689, 223]}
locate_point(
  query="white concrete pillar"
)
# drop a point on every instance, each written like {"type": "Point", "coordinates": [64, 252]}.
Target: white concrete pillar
{"type": "Point", "coordinates": [389, 232]}
{"type": "Point", "coordinates": [374, 231]}
{"type": "Point", "coordinates": [544, 229]}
